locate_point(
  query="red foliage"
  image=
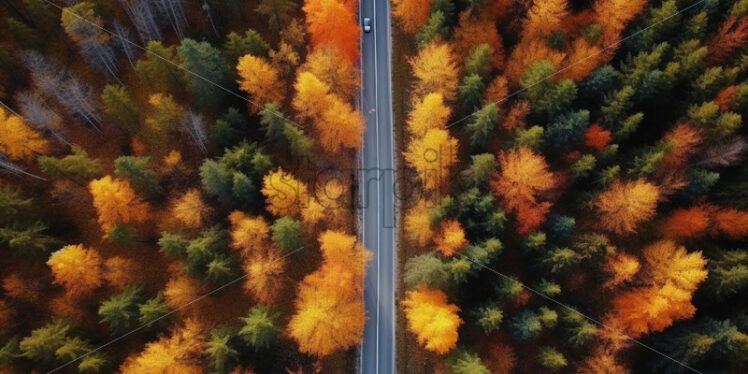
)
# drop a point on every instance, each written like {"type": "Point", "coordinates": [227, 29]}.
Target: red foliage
{"type": "Point", "coordinates": [331, 21]}
{"type": "Point", "coordinates": [597, 137]}
{"type": "Point", "coordinates": [732, 222]}
{"type": "Point", "coordinates": [686, 223]}
{"type": "Point", "coordinates": [732, 35]}
{"type": "Point", "coordinates": [531, 216]}
{"type": "Point", "coordinates": [726, 97]}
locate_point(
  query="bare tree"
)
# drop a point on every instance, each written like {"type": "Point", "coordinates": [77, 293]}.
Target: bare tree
{"type": "Point", "coordinates": [40, 115]}
{"type": "Point", "coordinates": [173, 10]}
{"type": "Point", "coordinates": [194, 124]}
{"type": "Point", "coordinates": [124, 39]}
{"type": "Point", "coordinates": [7, 166]}
{"type": "Point", "coordinates": [143, 14]}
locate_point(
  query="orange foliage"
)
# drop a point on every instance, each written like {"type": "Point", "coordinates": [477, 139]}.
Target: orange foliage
{"type": "Point", "coordinates": [181, 290]}
{"type": "Point", "coordinates": [614, 15]}
{"type": "Point", "coordinates": [21, 288]}
{"type": "Point", "coordinates": [411, 14]}
{"type": "Point", "coordinates": [731, 36]}
{"type": "Point", "coordinates": [19, 141]}
{"type": "Point", "coordinates": [417, 224]}
{"type": "Point", "coordinates": [284, 195]}
{"type": "Point", "coordinates": [432, 319]}
{"type": "Point", "coordinates": [249, 235]}
{"type": "Point", "coordinates": [77, 269]}
{"type": "Point", "coordinates": [331, 21]}
{"type": "Point", "coordinates": [330, 314]}
{"type": "Point", "coordinates": [516, 118]}
{"type": "Point", "coordinates": [544, 17]}
{"type": "Point", "coordinates": [523, 179]}
{"type": "Point", "coordinates": [597, 137]}
{"type": "Point", "coordinates": [265, 276]}
{"type": "Point", "coordinates": [501, 358]}
{"type": "Point", "coordinates": [120, 272]}
{"type": "Point", "coordinates": [732, 222]}
{"type": "Point", "coordinates": [582, 58]}
{"type": "Point", "coordinates": [451, 238]}
{"type": "Point", "coordinates": [686, 223]}
{"type": "Point", "coordinates": [181, 352]}
{"type": "Point", "coordinates": [435, 70]}
{"type": "Point", "coordinates": [432, 156]}
{"type": "Point", "coordinates": [261, 80]}
{"type": "Point", "coordinates": [528, 52]}
{"type": "Point", "coordinates": [725, 97]}
{"type": "Point", "coordinates": [685, 141]}
{"type": "Point", "coordinates": [602, 361]}
{"type": "Point", "coordinates": [328, 65]}
{"type": "Point", "coordinates": [116, 203]}
{"type": "Point", "coordinates": [429, 113]}
{"type": "Point", "coordinates": [473, 31]}
{"type": "Point", "coordinates": [622, 267]}
{"type": "Point", "coordinates": [626, 204]}
{"type": "Point", "coordinates": [190, 209]}
{"type": "Point", "coordinates": [496, 91]}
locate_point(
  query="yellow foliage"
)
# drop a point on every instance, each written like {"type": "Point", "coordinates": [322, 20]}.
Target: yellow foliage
{"type": "Point", "coordinates": [668, 262]}
{"type": "Point", "coordinates": [432, 156]}
{"type": "Point", "coordinates": [312, 213]}
{"type": "Point", "coordinates": [265, 276]}
{"type": "Point", "coordinates": [411, 14]}
{"type": "Point", "coordinates": [19, 141]}
{"type": "Point", "coordinates": [311, 95]}
{"type": "Point", "coordinates": [182, 290]}
{"type": "Point", "coordinates": [179, 353]}
{"type": "Point", "coordinates": [190, 209]}
{"type": "Point", "coordinates": [284, 195]}
{"type": "Point", "coordinates": [249, 234]}
{"type": "Point", "coordinates": [432, 320]}
{"type": "Point", "coordinates": [429, 113]}
{"type": "Point", "coordinates": [544, 17]}
{"type": "Point", "coordinates": [116, 203]}
{"type": "Point", "coordinates": [340, 126]}
{"type": "Point", "coordinates": [329, 65]}
{"type": "Point", "coordinates": [435, 71]}
{"type": "Point", "coordinates": [261, 80]}
{"type": "Point", "coordinates": [417, 224]}
{"type": "Point", "coordinates": [451, 238]}
{"type": "Point", "coordinates": [523, 178]}
{"type": "Point", "coordinates": [622, 267]}
{"type": "Point", "coordinates": [626, 204]}
{"type": "Point", "coordinates": [76, 268]}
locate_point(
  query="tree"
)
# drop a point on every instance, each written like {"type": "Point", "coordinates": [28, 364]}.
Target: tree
{"type": "Point", "coordinates": [435, 27]}
{"type": "Point", "coordinates": [479, 61]}
{"type": "Point", "coordinates": [567, 130]}
{"type": "Point", "coordinates": [687, 223]}
{"type": "Point", "coordinates": [732, 35]}
{"type": "Point", "coordinates": [614, 15]}
{"type": "Point", "coordinates": [489, 318]}
{"type": "Point", "coordinates": [330, 66]}
{"type": "Point", "coordinates": [481, 168]}
{"type": "Point", "coordinates": [261, 80]}
{"type": "Point", "coordinates": [250, 44]}
{"type": "Point", "coordinates": [135, 170]}
{"type": "Point", "coordinates": [624, 205]}
{"type": "Point", "coordinates": [180, 352]}
{"type": "Point", "coordinates": [164, 117]}
{"type": "Point", "coordinates": [425, 270]}
{"type": "Point", "coordinates": [76, 268]}
{"type": "Point", "coordinates": [284, 195]}
{"type": "Point", "coordinates": [260, 328]}
{"type": "Point", "coordinates": [482, 126]}
{"type": "Point", "coordinates": [276, 12]}
{"type": "Point", "coordinates": [287, 234]}
{"type": "Point", "coordinates": [119, 106]}
{"type": "Point", "coordinates": [235, 176]}
{"type": "Point", "coordinates": [429, 113]}
{"type": "Point", "coordinates": [524, 325]}
{"type": "Point", "coordinates": [19, 141]}
{"type": "Point", "coordinates": [153, 311]}
{"type": "Point", "coordinates": [44, 342]}
{"type": "Point", "coordinates": [468, 363]}
{"type": "Point", "coordinates": [120, 311]}
{"type": "Point", "coordinates": [432, 156]}
{"type": "Point", "coordinates": [266, 276]}
{"type": "Point", "coordinates": [432, 319]}
{"type": "Point", "coordinates": [451, 238]}
{"type": "Point", "coordinates": [552, 359]}
{"type": "Point", "coordinates": [155, 69]}
{"type": "Point", "coordinates": [523, 179]}
{"type": "Point", "coordinates": [417, 223]}
{"type": "Point", "coordinates": [345, 35]}
{"type": "Point", "coordinates": [411, 14]}
{"type": "Point", "coordinates": [470, 91]}
{"type": "Point", "coordinates": [116, 202]}
{"type": "Point", "coordinates": [208, 72]}
{"type": "Point", "coordinates": [596, 137]}
{"type": "Point", "coordinates": [435, 70]}
{"type": "Point", "coordinates": [728, 274]}
{"type": "Point", "coordinates": [220, 350]}
{"type": "Point", "coordinates": [547, 97]}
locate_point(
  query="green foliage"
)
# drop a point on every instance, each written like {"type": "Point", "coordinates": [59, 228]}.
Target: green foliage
{"type": "Point", "coordinates": [44, 342]}
{"type": "Point", "coordinates": [524, 325]}
{"type": "Point", "coordinates": [583, 167]}
{"type": "Point", "coordinates": [551, 359]}
{"type": "Point", "coordinates": [24, 36]}
{"type": "Point", "coordinates": [287, 234]}
{"type": "Point", "coordinates": [120, 311]}
{"type": "Point", "coordinates": [173, 244]}
{"type": "Point", "coordinates": [468, 363]}
{"type": "Point", "coordinates": [728, 274]}
{"type": "Point", "coordinates": [489, 318]}
{"type": "Point", "coordinates": [567, 130]}
{"type": "Point", "coordinates": [93, 363]}
{"type": "Point", "coordinates": [234, 177]}
{"type": "Point", "coordinates": [72, 348]}
{"type": "Point", "coordinates": [470, 91]}
{"type": "Point", "coordinates": [547, 96]}
{"type": "Point", "coordinates": [531, 137]}
{"type": "Point", "coordinates": [550, 289]}
{"type": "Point", "coordinates": [629, 125]}
{"type": "Point", "coordinates": [225, 133]}
{"type": "Point", "coordinates": [482, 126]}
{"type": "Point", "coordinates": [598, 83]}
{"type": "Point", "coordinates": [122, 236]}
{"type": "Point", "coordinates": [649, 160]}
{"type": "Point", "coordinates": [120, 107]}
{"type": "Point", "coordinates": [11, 202]}
{"type": "Point", "coordinates": [273, 121]}
{"type": "Point", "coordinates": [156, 69]}
{"type": "Point", "coordinates": [479, 61]}
{"type": "Point", "coordinates": [426, 269]}
{"type": "Point", "coordinates": [592, 32]}
{"type": "Point", "coordinates": [559, 228]}
{"type": "Point", "coordinates": [299, 144]}
{"type": "Point", "coordinates": [135, 169]}
{"type": "Point", "coordinates": [153, 312]}
{"type": "Point", "coordinates": [560, 259]}
{"type": "Point", "coordinates": [535, 242]}
{"type": "Point", "coordinates": [28, 239]}
{"type": "Point", "coordinates": [482, 166]}
{"type": "Point", "coordinates": [700, 182]}
{"type": "Point", "coordinates": [617, 105]}
{"type": "Point", "coordinates": [206, 254]}
{"type": "Point", "coordinates": [444, 209]}
{"type": "Point", "coordinates": [435, 27]}
{"type": "Point", "coordinates": [209, 72]}
{"type": "Point", "coordinates": [660, 23]}
{"type": "Point", "coordinates": [447, 7]}
{"type": "Point", "coordinates": [548, 317]}
{"type": "Point", "coordinates": [251, 43]}
{"type": "Point", "coordinates": [557, 40]}
{"type": "Point", "coordinates": [276, 12]}
{"type": "Point", "coordinates": [479, 215]}
{"type": "Point", "coordinates": [220, 349]}
{"type": "Point", "coordinates": [77, 167]}
{"type": "Point", "coordinates": [260, 328]}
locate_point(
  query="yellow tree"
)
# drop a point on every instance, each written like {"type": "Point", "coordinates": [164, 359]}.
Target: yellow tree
{"type": "Point", "coordinates": [115, 202]}
{"type": "Point", "coordinates": [417, 224]}
{"type": "Point", "coordinates": [432, 156]}
{"type": "Point", "coordinates": [261, 80]}
{"type": "Point", "coordinates": [626, 204]}
{"type": "Point", "coordinates": [327, 63]}
{"type": "Point", "coordinates": [432, 319]}
{"type": "Point", "coordinates": [451, 238]}
{"type": "Point", "coordinates": [284, 194]}
{"type": "Point", "coordinates": [411, 14]}
{"type": "Point", "coordinates": [544, 17]}
{"type": "Point", "coordinates": [311, 97]}
{"type": "Point", "coordinates": [429, 113]}
{"type": "Point", "coordinates": [190, 209]}
{"type": "Point", "coordinates": [435, 71]}
{"type": "Point", "coordinates": [76, 268]}
{"type": "Point", "coordinates": [19, 141]}
{"type": "Point", "coordinates": [250, 235]}
{"type": "Point", "coordinates": [181, 352]}
{"type": "Point", "coordinates": [182, 290]}
{"type": "Point", "coordinates": [340, 127]}
{"type": "Point", "coordinates": [265, 276]}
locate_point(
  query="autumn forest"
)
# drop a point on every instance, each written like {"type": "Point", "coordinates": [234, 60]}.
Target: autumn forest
{"type": "Point", "coordinates": [180, 192]}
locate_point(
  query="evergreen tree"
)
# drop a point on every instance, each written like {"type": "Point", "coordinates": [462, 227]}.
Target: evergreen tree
{"type": "Point", "coordinates": [276, 12]}
{"type": "Point", "coordinates": [470, 91]}
{"type": "Point", "coordinates": [489, 318]}
{"type": "Point", "coordinates": [524, 325]}
{"type": "Point", "coordinates": [287, 234]}
{"type": "Point", "coordinates": [567, 130]}
{"type": "Point", "coordinates": [173, 244]}
{"type": "Point", "coordinates": [482, 126]}
{"type": "Point", "coordinates": [559, 228]}
{"type": "Point", "coordinates": [260, 328]}
{"type": "Point", "coordinates": [552, 359]}
{"type": "Point", "coordinates": [728, 274]}
{"type": "Point", "coordinates": [77, 167]}
{"type": "Point", "coordinates": [547, 96]}
{"type": "Point", "coordinates": [468, 363]}
{"type": "Point", "coordinates": [531, 137]}
{"type": "Point", "coordinates": [482, 166]}
{"type": "Point", "coordinates": [11, 202]}
{"type": "Point", "coordinates": [299, 144]}
{"type": "Point", "coordinates": [426, 269]}
{"type": "Point", "coordinates": [122, 236]}
{"type": "Point", "coordinates": [156, 69]}
{"type": "Point", "coordinates": [220, 349]}
{"type": "Point", "coordinates": [120, 311]}
{"type": "Point", "coordinates": [234, 177]}
{"type": "Point", "coordinates": [136, 170]}
{"type": "Point", "coordinates": [435, 27]}
{"type": "Point", "coordinates": [226, 131]}
{"type": "Point", "coordinates": [120, 107]}
{"type": "Point", "coordinates": [153, 312]}
{"type": "Point", "coordinates": [479, 61]}
{"type": "Point", "coordinates": [479, 215]}
{"type": "Point", "coordinates": [209, 72]}
{"type": "Point", "coordinates": [28, 239]}
{"type": "Point", "coordinates": [251, 43]}
{"type": "Point", "coordinates": [43, 343]}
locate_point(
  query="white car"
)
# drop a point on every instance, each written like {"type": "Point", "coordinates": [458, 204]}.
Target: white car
{"type": "Point", "coordinates": [367, 24]}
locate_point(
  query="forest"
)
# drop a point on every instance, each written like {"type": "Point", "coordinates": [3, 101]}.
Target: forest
{"type": "Point", "coordinates": [585, 204]}
{"type": "Point", "coordinates": [163, 201]}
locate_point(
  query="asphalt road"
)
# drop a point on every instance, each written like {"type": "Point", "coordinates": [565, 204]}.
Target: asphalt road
{"type": "Point", "coordinates": [377, 188]}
